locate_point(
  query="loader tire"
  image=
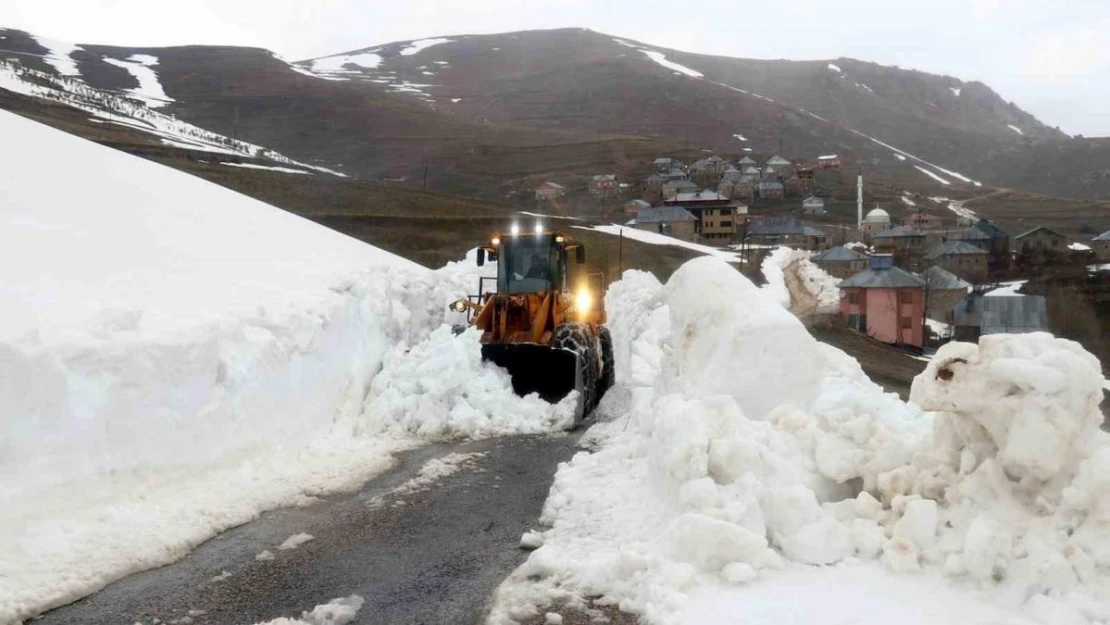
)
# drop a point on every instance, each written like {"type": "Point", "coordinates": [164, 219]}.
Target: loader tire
{"type": "Point", "coordinates": [608, 368]}
{"type": "Point", "coordinates": [577, 338]}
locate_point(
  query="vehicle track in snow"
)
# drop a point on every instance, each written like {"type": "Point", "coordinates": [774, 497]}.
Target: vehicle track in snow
{"type": "Point", "coordinates": [435, 558]}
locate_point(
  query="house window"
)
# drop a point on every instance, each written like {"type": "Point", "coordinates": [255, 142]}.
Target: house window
{"type": "Point", "coordinates": [853, 297]}
{"type": "Point", "coordinates": [905, 297]}
{"type": "Point", "coordinates": [907, 323]}
{"type": "Point", "coordinates": [858, 322]}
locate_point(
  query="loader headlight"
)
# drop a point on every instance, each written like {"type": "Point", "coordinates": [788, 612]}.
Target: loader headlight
{"type": "Point", "coordinates": [495, 241]}
{"type": "Point", "coordinates": [458, 306]}
{"type": "Point", "coordinates": [515, 229]}
{"type": "Point", "coordinates": [538, 229]}
{"type": "Point", "coordinates": [583, 300]}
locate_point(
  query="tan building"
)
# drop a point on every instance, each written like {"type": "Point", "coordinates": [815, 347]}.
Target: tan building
{"type": "Point", "coordinates": [943, 290]}
{"type": "Point", "coordinates": [671, 221]}
{"type": "Point", "coordinates": [900, 240]}
{"type": "Point", "coordinates": [840, 262]}
{"type": "Point", "coordinates": [1101, 246]}
{"type": "Point", "coordinates": [960, 258]}
{"type": "Point", "coordinates": [922, 221]}
{"type": "Point", "coordinates": [717, 216]}
{"type": "Point", "coordinates": [603, 184]}
{"type": "Point", "coordinates": [549, 191]}
{"type": "Point", "coordinates": [633, 207]}
{"type": "Point", "coordinates": [876, 221]}
{"type": "Point", "coordinates": [1041, 240]}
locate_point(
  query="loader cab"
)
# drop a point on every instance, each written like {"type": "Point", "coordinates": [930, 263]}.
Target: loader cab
{"type": "Point", "coordinates": [533, 263]}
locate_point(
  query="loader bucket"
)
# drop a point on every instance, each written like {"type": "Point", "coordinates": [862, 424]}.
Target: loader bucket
{"type": "Point", "coordinates": [535, 368]}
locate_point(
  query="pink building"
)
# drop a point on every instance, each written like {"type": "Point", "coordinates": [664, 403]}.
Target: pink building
{"type": "Point", "coordinates": [885, 303]}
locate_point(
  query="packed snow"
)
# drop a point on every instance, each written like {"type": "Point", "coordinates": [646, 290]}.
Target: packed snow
{"type": "Point", "coordinates": [740, 137]}
{"type": "Point", "coordinates": [335, 612]}
{"type": "Point", "coordinates": [661, 59]}
{"type": "Point", "coordinates": [1079, 247]}
{"type": "Point", "coordinates": [177, 358]}
{"type": "Point", "coordinates": [813, 292]}
{"type": "Point", "coordinates": [899, 156]}
{"type": "Point", "coordinates": [141, 68]}
{"type": "Point", "coordinates": [932, 175]}
{"type": "Point", "coordinates": [337, 64]}
{"type": "Point", "coordinates": [834, 67]}
{"type": "Point", "coordinates": [654, 238]}
{"type": "Point", "coordinates": [1007, 289]}
{"type": "Point", "coordinates": [437, 469]}
{"type": "Point", "coordinates": [1015, 129]}
{"type": "Point", "coordinates": [294, 541]}
{"type": "Point", "coordinates": [59, 55]}
{"type": "Point", "coordinates": [284, 170]}
{"type": "Point", "coordinates": [741, 472]}
{"type": "Point", "coordinates": [422, 44]}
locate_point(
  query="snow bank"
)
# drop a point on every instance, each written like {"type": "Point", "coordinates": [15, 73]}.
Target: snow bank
{"type": "Point", "coordinates": [335, 612]}
{"type": "Point", "coordinates": [712, 486]}
{"type": "Point", "coordinates": [176, 358]}
{"type": "Point", "coordinates": [815, 291]}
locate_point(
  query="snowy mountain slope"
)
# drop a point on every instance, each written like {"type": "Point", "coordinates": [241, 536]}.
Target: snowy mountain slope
{"type": "Point", "coordinates": [176, 358]}
{"type": "Point", "coordinates": [745, 473]}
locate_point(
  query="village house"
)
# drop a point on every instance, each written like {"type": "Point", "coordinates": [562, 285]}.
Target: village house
{"type": "Point", "coordinates": [664, 163]}
{"type": "Point", "coordinates": [922, 221]}
{"type": "Point", "coordinates": [841, 262]}
{"type": "Point", "coordinates": [750, 174]}
{"type": "Point", "coordinates": [980, 315]}
{"type": "Point", "coordinates": [711, 166]}
{"type": "Point", "coordinates": [1101, 245]}
{"type": "Point", "coordinates": [885, 302]}
{"type": "Point", "coordinates": [677, 173]}
{"type": "Point", "coordinates": [778, 164]}
{"type": "Point", "coordinates": [828, 161]}
{"type": "Point", "coordinates": [746, 162]}
{"type": "Point", "coordinates": [770, 189]}
{"type": "Point", "coordinates": [961, 258]}
{"type": "Point", "coordinates": [943, 290]}
{"type": "Point", "coordinates": [673, 221]}
{"type": "Point", "coordinates": [813, 205]}
{"type": "Point", "coordinates": [603, 185]}
{"type": "Point", "coordinates": [717, 216]}
{"type": "Point", "coordinates": [549, 191]}
{"type": "Point", "coordinates": [736, 190]}
{"type": "Point", "coordinates": [1040, 241]}
{"type": "Point", "coordinates": [675, 187]}
{"type": "Point", "coordinates": [785, 231]}
{"type": "Point", "coordinates": [900, 240]}
{"type": "Point", "coordinates": [732, 174]}
{"type": "Point", "coordinates": [876, 221]}
{"type": "Point", "coordinates": [999, 247]}
{"type": "Point", "coordinates": [633, 207]}
{"type": "Point", "coordinates": [654, 182]}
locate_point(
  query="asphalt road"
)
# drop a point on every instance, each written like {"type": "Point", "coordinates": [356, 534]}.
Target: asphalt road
{"type": "Point", "coordinates": [431, 557]}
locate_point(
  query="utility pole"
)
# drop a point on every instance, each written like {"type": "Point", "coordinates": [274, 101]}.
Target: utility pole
{"type": "Point", "coordinates": [425, 185]}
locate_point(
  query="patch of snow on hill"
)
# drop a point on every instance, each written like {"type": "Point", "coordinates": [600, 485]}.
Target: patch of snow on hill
{"type": "Point", "coordinates": [907, 201]}
{"type": "Point", "coordinates": [661, 59]}
{"type": "Point", "coordinates": [1015, 129]}
{"type": "Point", "coordinates": [335, 64]}
{"type": "Point", "coordinates": [835, 68]}
{"type": "Point", "coordinates": [816, 116]}
{"type": "Point", "coordinates": [932, 175]}
{"type": "Point", "coordinates": [918, 159]}
{"type": "Point", "coordinates": [59, 55]}
{"type": "Point", "coordinates": [1079, 247]}
{"type": "Point", "coordinates": [738, 462]}
{"type": "Point", "coordinates": [740, 137]}
{"type": "Point", "coordinates": [955, 91]}
{"type": "Point", "coordinates": [149, 91]}
{"type": "Point", "coordinates": [284, 170]}
{"type": "Point", "coordinates": [422, 44]}
{"type": "Point", "coordinates": [899, 156]}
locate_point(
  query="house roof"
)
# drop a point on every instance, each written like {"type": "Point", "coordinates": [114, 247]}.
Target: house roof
{"type": "Point", "coordinates": [662, 160]}
{"type": "Point", "coordinates": [775, 226]}
{"type": "Point", "coordinates": [810, 231]}
{"type": "Point", "coordinates": [705, 195]}
{"type": "Point", "coordinates": [952, 248]}
{"type": "Point", "coordinates": [751, 170]}
{"type": "Point", "coordinates": [892, 278]}
{"type": "Point", "coordinates": [604, 177]}
{"type": "Point", "coordinates": [838, 254]}
{"type": "Point", "coordinates": [770, 184]}
{"type": "Point", "coordinates": [939, 279]}
{"type": "Point", "coordinates": [991, 230]}
{"type": "Point", "coordinates": [552, 185]}
{"type": "Point", "coordinates": [1105, 236]}
{"type": "Point", "coordinates": [680, 184]}
{"type": "Point", "coordinates": [899, 232]}
{"type": "Point", "coordinates": [972, 234]}
{"type": "Point", "coordinates": [656, 214]}
{"type": "Point", "coordinates": [640, 203]}
{"type": "Point", "coordinates": [1038, 228]}
{"type": "Point", "coordinates": [813, 199]}
{"type": "Point", "coordinates": [777, 160]}
{"type": "Point", "coordinates": [996, 315]}
{"type": "Point", "coordinates": [655, 177]}
{"type": "Point", "coordinates": [826, 157]}
{"type": "Point", "coordinates": [747, 160]}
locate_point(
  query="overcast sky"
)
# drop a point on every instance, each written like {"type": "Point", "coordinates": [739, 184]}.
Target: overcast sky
{"type": "Point", "coordinates": [1051, 58]}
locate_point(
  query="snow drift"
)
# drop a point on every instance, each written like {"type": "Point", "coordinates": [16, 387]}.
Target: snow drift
{"type": "Point", "coordinates": [815, 291]}
{"type": "Point", "coordinates": [176, 358]}
{"type": "Point", "coordinates": [738, 450]}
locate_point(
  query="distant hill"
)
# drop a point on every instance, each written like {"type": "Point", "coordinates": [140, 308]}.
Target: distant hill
{"type": "Point", "coordinates": [479, 114]}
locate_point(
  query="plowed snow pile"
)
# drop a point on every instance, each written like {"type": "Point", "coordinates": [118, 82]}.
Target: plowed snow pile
{"type": "Point", "coordinates": [737, 453]}
{"type": "Point", "coordinates": [798, 284]}
{"type": "Point", "coordinates": [176, 358]}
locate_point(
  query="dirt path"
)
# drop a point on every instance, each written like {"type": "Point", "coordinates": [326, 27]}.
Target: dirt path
{"type": "Point", "coordinates": [425, 557]}
{"type": "Point", "coordinates": [802, 302]}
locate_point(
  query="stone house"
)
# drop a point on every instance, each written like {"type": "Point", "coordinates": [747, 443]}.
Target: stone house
{"type": "Point", "coordinates": [1040, 241]}
{"type": "Point", "coordinates": [960, 258]}
{"type": "Point", "coordinates": [786, 231]}
{"type": "Point", "coordinates": [771, 190]}
{"type": "Point", "coordinates": [672, 221]}
{"type": "Point", "coordinates": [828, 161]}
{"type": "Point", "coordinates": [633, 207]}
{"type": "Point", "coordinates": [840, 262]}
{"type": "Point", "coordinates": [736, 190]}
{"type": "Point", "coordinates": [999, 246]}
{"type": "Point", "coordinates": [674, 187]}
{"type": "Point", "coordinates": [750, 174]}
{"type": "Point", "coordinates": [778, 164]}
{"type": "Point", "coordinates": [549, 191]}
{"type": "Point", "coordinates": [663, 163]}
{"type": "Point", "coordinates": [717, 216]}
{"type": "Point", "coordinates": [654, 182]}
{"type": "Point", "coordinates": [813, 205]}
{"type": "Point", "coordinates": [899, 240]}
{"type": "Point", "coordinates": [943, 290]}
{"type": "Point", "coordinates": [747, 162]}
{"type": "Point", "coordinates": [922, 221]}
{"type": "Point", "coordinates": [980, 315]}
{"type": "Point", "coordinates": [885, 303]}
{"type": "Point", "coordinates": [603, 185]}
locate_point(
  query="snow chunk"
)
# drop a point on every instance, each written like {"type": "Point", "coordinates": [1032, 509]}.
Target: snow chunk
{"type": "Point", "coordinates": [834, 67]}
{"type": "Point", "coordinates": [918, 524]}
{"type": "Point", "coordinates": [1079, 247]}
{"type": "Point", "coordinates": [335, 612]}
{"type": "Point", "coordinates": [437, 469]}
{"type": "Point", "coordinates": [421, 44]}
{"type": "Point", "coordinates": [661, 59]}
{"type": "Point", "coordinates": [899, 156]}
{"type": "Point", "coordinates": [296, 540]}
{"type": "Point", "coordinates": [264, 556]}
{"type": "Point", "coordinates": [740, 137]}
{"type": "Point", "coordinates": [531, 540]}
{"type": "Point", "coordinates": [149, 91]}
{"type": "Point", "coordinates": [815, 291]}
{"type": "Point", "coordinates": [1015, 129]}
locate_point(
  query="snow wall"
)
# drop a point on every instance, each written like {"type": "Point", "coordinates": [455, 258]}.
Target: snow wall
{"type": "Point", "coordinates": [739, 451]}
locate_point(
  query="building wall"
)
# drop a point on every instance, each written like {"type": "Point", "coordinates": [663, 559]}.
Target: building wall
{"type": "Point", "coordinates": [1102, 251]}
{"type": "Point", "coordinates": [1042, 241]}
{"type": "Point", "coordinates": [870, 229]}
{"type": "Point", "coordinates": [717, 224]}
{"type": "Point", "coordinates": [886, 315]}
{"type": "Point", "coordinates": [843, 268]}
{"type": "Point", "coordinates": [970, 267]}
{"type": "Point", "coordinates": [941, 302]}
{"type": "Point", "coordinates": [678, 229]}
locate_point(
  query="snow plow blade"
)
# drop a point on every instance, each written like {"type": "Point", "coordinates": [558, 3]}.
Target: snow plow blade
{"type": "Point", "coordinates": [535, 368]}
